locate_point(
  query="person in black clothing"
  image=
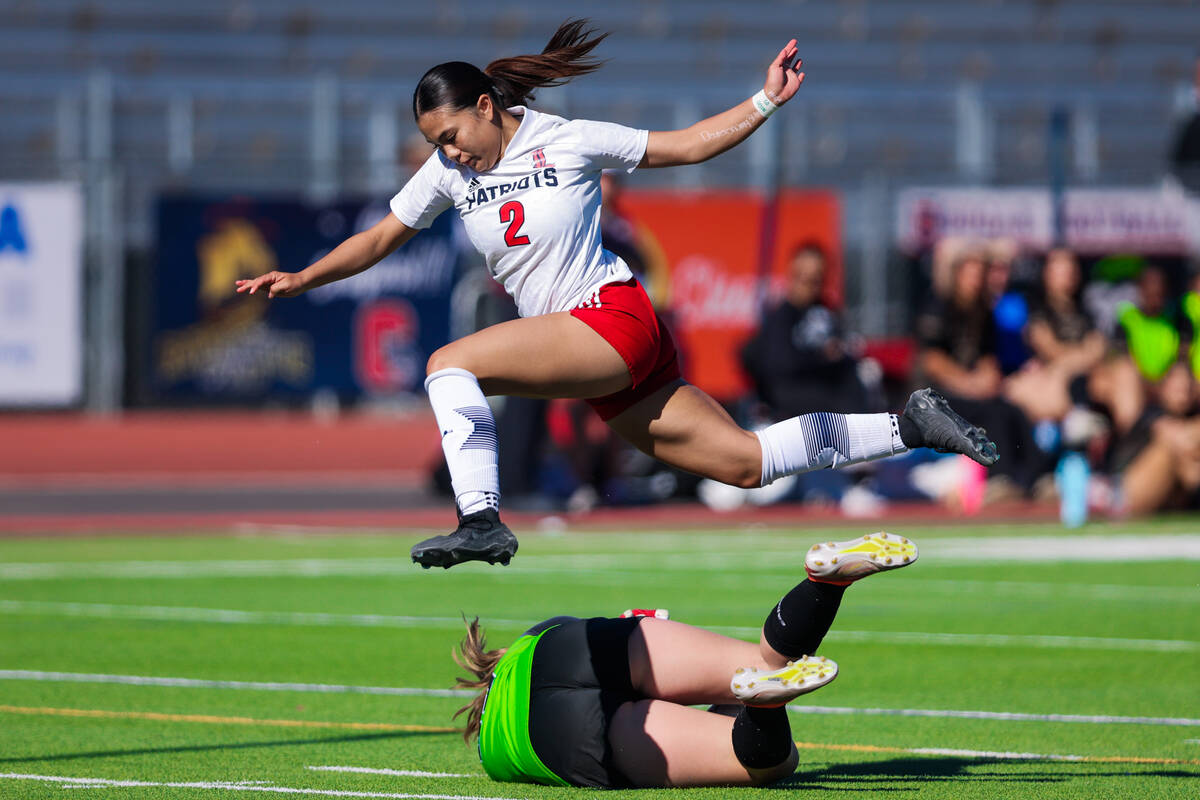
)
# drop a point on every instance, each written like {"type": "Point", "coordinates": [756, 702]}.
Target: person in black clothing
{"type": "Point", "coordinates": [957, 356]}
{"type": "Point", "coordinates": [799, 359]}
{"type": "Point", "coordinates": [1065, 342]}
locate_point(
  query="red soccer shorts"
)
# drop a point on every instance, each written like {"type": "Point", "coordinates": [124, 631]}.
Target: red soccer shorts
{"type": "Point", "coordinates": [623, 315]}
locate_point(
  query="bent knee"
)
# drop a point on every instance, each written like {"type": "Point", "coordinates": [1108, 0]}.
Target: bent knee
{"type": "Point", "coordinates": [445, 357]}
{"type": "Point", "coordinates": [743, 476]}
{"type": "Point", "coordinates": [745, 469]}
{"type": "Point", "coordinates": [747, 472]}
{"type": "Point", "coordinates": [747, 479]}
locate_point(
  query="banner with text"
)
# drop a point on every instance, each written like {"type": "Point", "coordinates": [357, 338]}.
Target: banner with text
{"type": "Point", "coordinates": [727, 253]}
{"type": "Point", "coordinates": [1095, 221]}
{"type": "Point", "coordinates": [369, 335]}
{"type": "Point", "coordinates": [41, 275]}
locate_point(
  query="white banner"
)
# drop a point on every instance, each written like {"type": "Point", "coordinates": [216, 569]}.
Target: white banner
{"type": "Point", "coordinates": [41, 270]}
{"type": "Point", "coordinates": [1097, 221]}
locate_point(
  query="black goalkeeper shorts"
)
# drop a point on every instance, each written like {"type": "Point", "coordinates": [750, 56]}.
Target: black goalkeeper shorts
{"type": "Point", "coordinates": [580, 678]}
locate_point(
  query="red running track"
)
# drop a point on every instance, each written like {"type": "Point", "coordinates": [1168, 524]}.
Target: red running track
{"type": "Point", "coordinates": [77, 448]}
{"type": "Point", "coordinates": [50, 453]}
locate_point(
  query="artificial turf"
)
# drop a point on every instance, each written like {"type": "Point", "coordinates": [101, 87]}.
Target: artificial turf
{"type": "Point", "coordinates": [1087, 633]}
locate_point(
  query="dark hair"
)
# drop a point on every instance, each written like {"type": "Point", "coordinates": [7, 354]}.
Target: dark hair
{"type": "Point", "coordinates": [510, 81]}
{"type": "Point", "coordinates": [473, 656]}
{"type": "Point", "coordinates": [811, 247]}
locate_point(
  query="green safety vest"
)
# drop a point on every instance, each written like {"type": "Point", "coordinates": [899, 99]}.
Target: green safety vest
{"type": "Point", "coordinates": [1191, 307]}
{"type": "Point", "coordinates": [1153, 341]}
{"type": "Point", "coordinates": [504, 746]}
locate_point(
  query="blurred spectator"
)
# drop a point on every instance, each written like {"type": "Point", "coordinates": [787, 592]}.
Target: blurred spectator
{"type": "Point", "coordinates": [1165, 473]}
{"type": "Point", "coordinates": [800, 360]}
{"type": "Point", "coordinates": [958, 344]}
{"type": "Point", "coordinates": [624, 236]}
{"type": "Point", "coordinates": [616, 229]}
{"type": "Point", "coordinates": [1010, 309]}
{"type": "Point", "coordinates": [1147, 327]}
{"type": "Point", "coordinates": [1185, 155]}
{"type": "Point", "coordinates": [1064, 341]}
{"type": "Point", "coordinates": [1147, 343]}
{"type": "Point", "coordinates": [957, 356]}
{"type": "Point", "coordinates": [1190, 309]}
{"type": "Point", "coordinates": [1151, 393]}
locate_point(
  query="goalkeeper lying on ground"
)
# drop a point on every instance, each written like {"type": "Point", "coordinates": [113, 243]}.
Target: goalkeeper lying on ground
{"type": "Point", "coordinates": [607, 702]}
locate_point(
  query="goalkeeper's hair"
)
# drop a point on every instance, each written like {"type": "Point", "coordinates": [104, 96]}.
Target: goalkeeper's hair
{"type": "Point", "coordinates": [473, 656]}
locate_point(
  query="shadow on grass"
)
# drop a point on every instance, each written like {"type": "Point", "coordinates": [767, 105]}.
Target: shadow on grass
{"type": "Point", "coordinates": [868, 776]}
{"type": "Point", "coordinates": [199, 748]}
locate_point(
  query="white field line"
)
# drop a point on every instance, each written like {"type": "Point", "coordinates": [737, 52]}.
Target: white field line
{"type": "Point", "coordinates": [232, 786]}
{"type": "Point", "coordinates": [226, 616]}
{"type": "Point", "coordinates": [1007, 716]}
{"type": "Point", "coordinates": [1046, 549]}
{"type": "Point", "coordinates": [992, 640]}
{"type": "Point", "coordinates": [949, 751]}
{"type": "Point", "coordinates": [1052, 590]}
{"type": "Point", "coordinates": [195, 683]}
{"type": "Point", "coordinates": [325, 688]}
{"type": "Point", "coordinates": [250, 568]}
{"type": "Point", "coordinates": [1154, 547]}
{"type": "Point", "coordinates": [999, 754]}
{"type": "Point", "coordinates": [406, 773]}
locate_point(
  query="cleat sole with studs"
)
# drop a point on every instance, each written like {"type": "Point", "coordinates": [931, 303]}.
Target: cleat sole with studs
{"type": "Point", "coordinates": [858, 558]}
{"type": "Point", "coordinates": [769, 687]}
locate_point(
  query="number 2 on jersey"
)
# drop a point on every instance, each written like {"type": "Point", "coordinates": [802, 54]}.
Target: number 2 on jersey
{"type": "Point", "coordinates": [513, 213]}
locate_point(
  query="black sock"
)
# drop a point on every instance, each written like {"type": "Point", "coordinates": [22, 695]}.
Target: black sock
{"type": "Point", "coordinates": [798, 623]}
{"type": "Point", "coordinates": [762, 737]}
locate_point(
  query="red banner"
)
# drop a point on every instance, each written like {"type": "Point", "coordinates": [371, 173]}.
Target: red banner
{"type": "Point", "coordinates": [713, 243]}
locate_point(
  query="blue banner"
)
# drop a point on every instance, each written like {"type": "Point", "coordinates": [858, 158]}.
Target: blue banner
{"type": "Point", "coordinates": [369, 335]}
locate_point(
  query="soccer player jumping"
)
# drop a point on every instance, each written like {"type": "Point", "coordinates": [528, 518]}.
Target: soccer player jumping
{"type": "Point", "coordinates": [527, 187]}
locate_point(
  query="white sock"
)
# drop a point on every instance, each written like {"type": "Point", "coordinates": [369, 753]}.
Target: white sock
{"type": "Point", "coordinates": [824, 439]}
{"type": "Point", "coordinates": [468, 438]}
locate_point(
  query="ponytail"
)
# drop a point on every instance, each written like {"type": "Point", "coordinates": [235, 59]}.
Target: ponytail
{"type": "Point", "coordinates": [565, 56]}
{"type": "Point", "coordinates": [480, 662]}
{"type": "Point", "coordinates": [510, 81]}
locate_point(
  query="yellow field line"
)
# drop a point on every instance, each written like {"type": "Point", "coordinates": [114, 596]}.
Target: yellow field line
{"type": "Point", "coordinates": [874, 748]}
{"type": "Point", "coordinates": [215, 720]}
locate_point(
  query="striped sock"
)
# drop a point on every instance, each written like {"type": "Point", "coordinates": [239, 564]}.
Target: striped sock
{"type": "Point", "coordinates": [468, 438]}
{"type": "Point", "coordinates": [825, 439]}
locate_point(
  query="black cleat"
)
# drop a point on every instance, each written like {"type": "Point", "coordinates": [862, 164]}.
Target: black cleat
{"type": "Point", "coordinates": [481, 536]}
{"type": "Point", "coordinates": [935, 425]}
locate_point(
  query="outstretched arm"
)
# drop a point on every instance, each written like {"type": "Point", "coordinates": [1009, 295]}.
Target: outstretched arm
{"type": "Point", "coordinates": [713, 136]}
{"type": "Point", "coordinates": [359, 252]}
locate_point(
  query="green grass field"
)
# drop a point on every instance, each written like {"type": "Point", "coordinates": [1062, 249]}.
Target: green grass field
{"type": "Point", "coordinates": [1082, 630]}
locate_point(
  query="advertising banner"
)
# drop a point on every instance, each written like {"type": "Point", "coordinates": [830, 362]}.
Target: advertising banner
{"type": "Point", "coordinates": [366, 336]}
{"type": "Point", "coordinates": [1096, 221]}
{"type": "Point", "coordinates": [41, 272]}
{"type": "Point", "coordinates": [714, 244]}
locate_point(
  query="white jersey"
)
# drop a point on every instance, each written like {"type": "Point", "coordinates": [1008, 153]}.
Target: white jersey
{"type": "Point", "coordinates": [535, 216]}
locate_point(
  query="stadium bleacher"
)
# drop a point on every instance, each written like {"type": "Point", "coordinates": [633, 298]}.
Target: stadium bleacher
{"type": "Point", "coordinates": [880, 96]}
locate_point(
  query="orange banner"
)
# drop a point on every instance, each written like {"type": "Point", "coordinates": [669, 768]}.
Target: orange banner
{"type": "Point", "coordinates": [712, 243]}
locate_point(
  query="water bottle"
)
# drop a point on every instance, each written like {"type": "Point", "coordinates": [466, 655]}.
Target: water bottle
{"type": "Point", "coordinates": [1072, 478]}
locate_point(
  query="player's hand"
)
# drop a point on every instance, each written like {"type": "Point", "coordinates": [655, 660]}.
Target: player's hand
{"type": "Point", "coordinates": [276, 284]}
{"type": "Point", "coordinates": [784, 76]}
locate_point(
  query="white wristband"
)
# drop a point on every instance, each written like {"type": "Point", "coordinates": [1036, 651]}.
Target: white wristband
{"type": "Point", "coordinates": [763, 104]}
